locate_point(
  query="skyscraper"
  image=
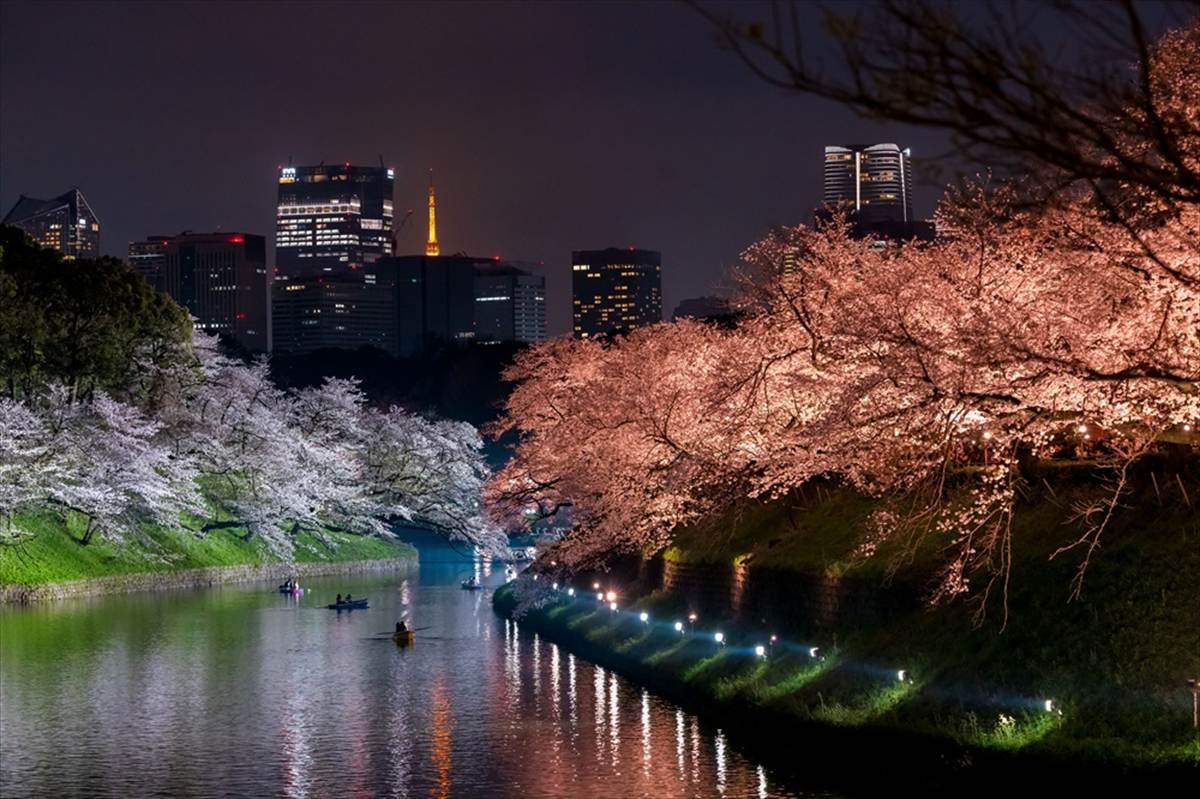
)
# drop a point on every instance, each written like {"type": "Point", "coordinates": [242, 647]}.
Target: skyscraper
{"type": "Point", "coordinates": [332, 219]}
{"type": "Point", "coordinates": [615, 290]}
{"type": "Point", "coordinates": [221, 278]}
{"type": "Point", "coordinates": [875, 181]}
{"type": "Point", "coordinates": [435, 300]}
{"type": "Point", "coordinates": [148, 258]}
{"type": "Point", "coordinates": [338, 311]}
{"type": "Point", "coordinates": [66, 224]}
{"type": "Point", "coordinates": [510, 304]}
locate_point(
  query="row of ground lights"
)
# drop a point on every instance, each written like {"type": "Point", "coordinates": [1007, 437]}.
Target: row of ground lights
{"type": "Point", "coordinates": [761, 651]}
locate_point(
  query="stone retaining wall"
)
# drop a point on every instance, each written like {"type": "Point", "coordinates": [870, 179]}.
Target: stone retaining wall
{"type": "Point", "coordinates": [195, 578]}
{"type": "Point", "coordinates": [784, 600]}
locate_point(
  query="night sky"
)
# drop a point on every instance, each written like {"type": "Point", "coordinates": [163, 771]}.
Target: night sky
{"type": "Point", "coordinates": [550, 127]}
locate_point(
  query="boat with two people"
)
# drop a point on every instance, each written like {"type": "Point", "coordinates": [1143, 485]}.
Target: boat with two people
{"type": "Point", "coordinates": [471, 584]}
{"type": "Point", "coordinates": [292, 586]}
{"type": "Point", "coordinates": [403, 636]}
{"type": "Point", "coordinates": [349, 603]}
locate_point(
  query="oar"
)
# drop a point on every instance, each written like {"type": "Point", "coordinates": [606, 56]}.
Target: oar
{"type": "Point", "coordinates": [410, 629]}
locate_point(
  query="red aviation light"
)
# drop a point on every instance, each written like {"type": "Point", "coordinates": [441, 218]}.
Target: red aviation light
{"type": "Point", "coordinates": [237, 239]}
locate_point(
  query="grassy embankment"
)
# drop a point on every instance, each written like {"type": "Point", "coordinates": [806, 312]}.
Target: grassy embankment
{"type": "Point", "coordinates": [1115, 661]}
{"type": "Point", "coordinates": [54, 553]}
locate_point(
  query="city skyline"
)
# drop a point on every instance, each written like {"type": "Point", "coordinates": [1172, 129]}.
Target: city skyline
{"type": "Point", "coordinates": [679, 151]}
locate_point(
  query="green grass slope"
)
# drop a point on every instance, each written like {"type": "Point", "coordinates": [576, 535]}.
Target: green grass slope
{"type": "Point", "coordinates": [54, 553]}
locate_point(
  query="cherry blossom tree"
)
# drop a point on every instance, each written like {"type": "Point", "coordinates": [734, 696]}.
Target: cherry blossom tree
{"type": "Point", "coordinates": [215, 445]}
{"type": "Point", "coordinates": [898, 371]}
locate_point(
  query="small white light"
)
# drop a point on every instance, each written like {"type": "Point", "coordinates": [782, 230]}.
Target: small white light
{"type": "Point", "coordinates": [535, 576]}
{"type": "Point", "coordinates": [570, 592]}
{"type": "Point", "coordinates": [678, 626]}
{"type": "Point", "coordinates": [719, 638]}
{"type": "Point", "coordinates": [595, 586]}
{"type": "Point", "coordinates": [692, 617]}
{"type": "Point", "coordinates": [612, 606]}
{"type": "Point", "coordinates": [645, 617]}
{"type": "Point", "coordinates": [1049, 705]}
{"type": "Point", "coordinates": [901, 675]}
{"type": "Point", "coordinates": [555, 586]}
{"type": "Point", "coordinates": [987, 434]}
{"type": "Point", "coordinates": [599, 597]}
{"type": "Point", "coordinates": [1082, 428]}
{"type": "Point", "coordinates": [814, 652]}
{"type": "Point", "coordinates": [760, 651]}
{"type": "Point", "coordinates": [611, 595]}
{"type": "Point", "coordinates": [1187, 428]}
{"type": "Point", "coordinates": [774, 639]}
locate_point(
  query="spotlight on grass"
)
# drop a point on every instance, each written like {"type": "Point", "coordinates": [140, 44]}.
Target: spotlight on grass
{"type": "Point", "coordinates": [1049, 706]}
{"type": "Point", "coordinates": [814, 652]}
{"type": "Point", "coordinates": [760, 651]}
{"type": "Point", "coordinates": [644, 616]}
{"type": "Point", "coordinates": [719, 638]}
{"type": "Point", "coordinates": [902, 675]}
{"type": "Point", "coordinates": [679, 627]}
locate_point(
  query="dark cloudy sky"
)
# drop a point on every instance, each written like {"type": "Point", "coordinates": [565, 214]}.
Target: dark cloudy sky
{"type": "Point", "coordinates": [551, 126]}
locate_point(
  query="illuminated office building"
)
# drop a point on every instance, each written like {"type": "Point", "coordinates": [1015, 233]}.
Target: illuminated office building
{"type": "Point", "coordinates": [335, 311]}
{"type": "Point", "coordinates": [65, 223]}
{"type": "Point", "coordinates": [220, 278]}
{"type": "Point", "coordinates": [148, 258]}
{"type": "Point", "coordinates": [332, 219]}
{"type": "Point", "coordinates": [875, 181]}
{"type": "Point", "coordinates": [615, 290]}
{"type": "Point", "coordinates": [510, 304]}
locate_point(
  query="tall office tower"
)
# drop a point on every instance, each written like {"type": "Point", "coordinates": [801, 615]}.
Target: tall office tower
{"type": "Point", "coordinates": [615, 290]}
{"type": "Point", "coordinates": [336, 311]}
{"type": "Point", "coordinates": [510, 304]}
{"type": "Point", "coordinates": [65, 223]}
{"type": "Point", "coordinates": [431, 244]}
{"type": "Point", "coordinates": [875, 181]}
{"type": "Point", "coordinates": [332, 219]}
{"type": "Point", "coordinates": [223, 281]}
{"type": "Point", "coordinates": [148, 258]}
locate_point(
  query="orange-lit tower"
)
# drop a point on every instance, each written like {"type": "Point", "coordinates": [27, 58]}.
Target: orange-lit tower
{"type": "Point", "coordinates": [431, 246]}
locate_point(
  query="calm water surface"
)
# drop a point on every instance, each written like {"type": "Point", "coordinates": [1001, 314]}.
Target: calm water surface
{"type": "Point", "coordinates": [243, 691]}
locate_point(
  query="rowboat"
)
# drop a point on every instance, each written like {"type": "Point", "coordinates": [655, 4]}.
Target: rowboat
{"type": "Point", "coordinates": [358, 604]}
{"type": "Point", "coordinates": [469, 585]}
{"type": "Point", "coordinates": [290, 589]}
{"type": "Point", "coordinates": [405, 638]}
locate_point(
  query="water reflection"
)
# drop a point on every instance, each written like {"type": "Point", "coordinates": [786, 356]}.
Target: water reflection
{"type": "Point", "coordinates": [240, 691]}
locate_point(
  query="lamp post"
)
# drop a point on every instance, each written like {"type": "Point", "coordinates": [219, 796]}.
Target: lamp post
{"type": "Point", "coordinates": [1194, 684]}
{"type": "Point", "coordinates": [691, 622]}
